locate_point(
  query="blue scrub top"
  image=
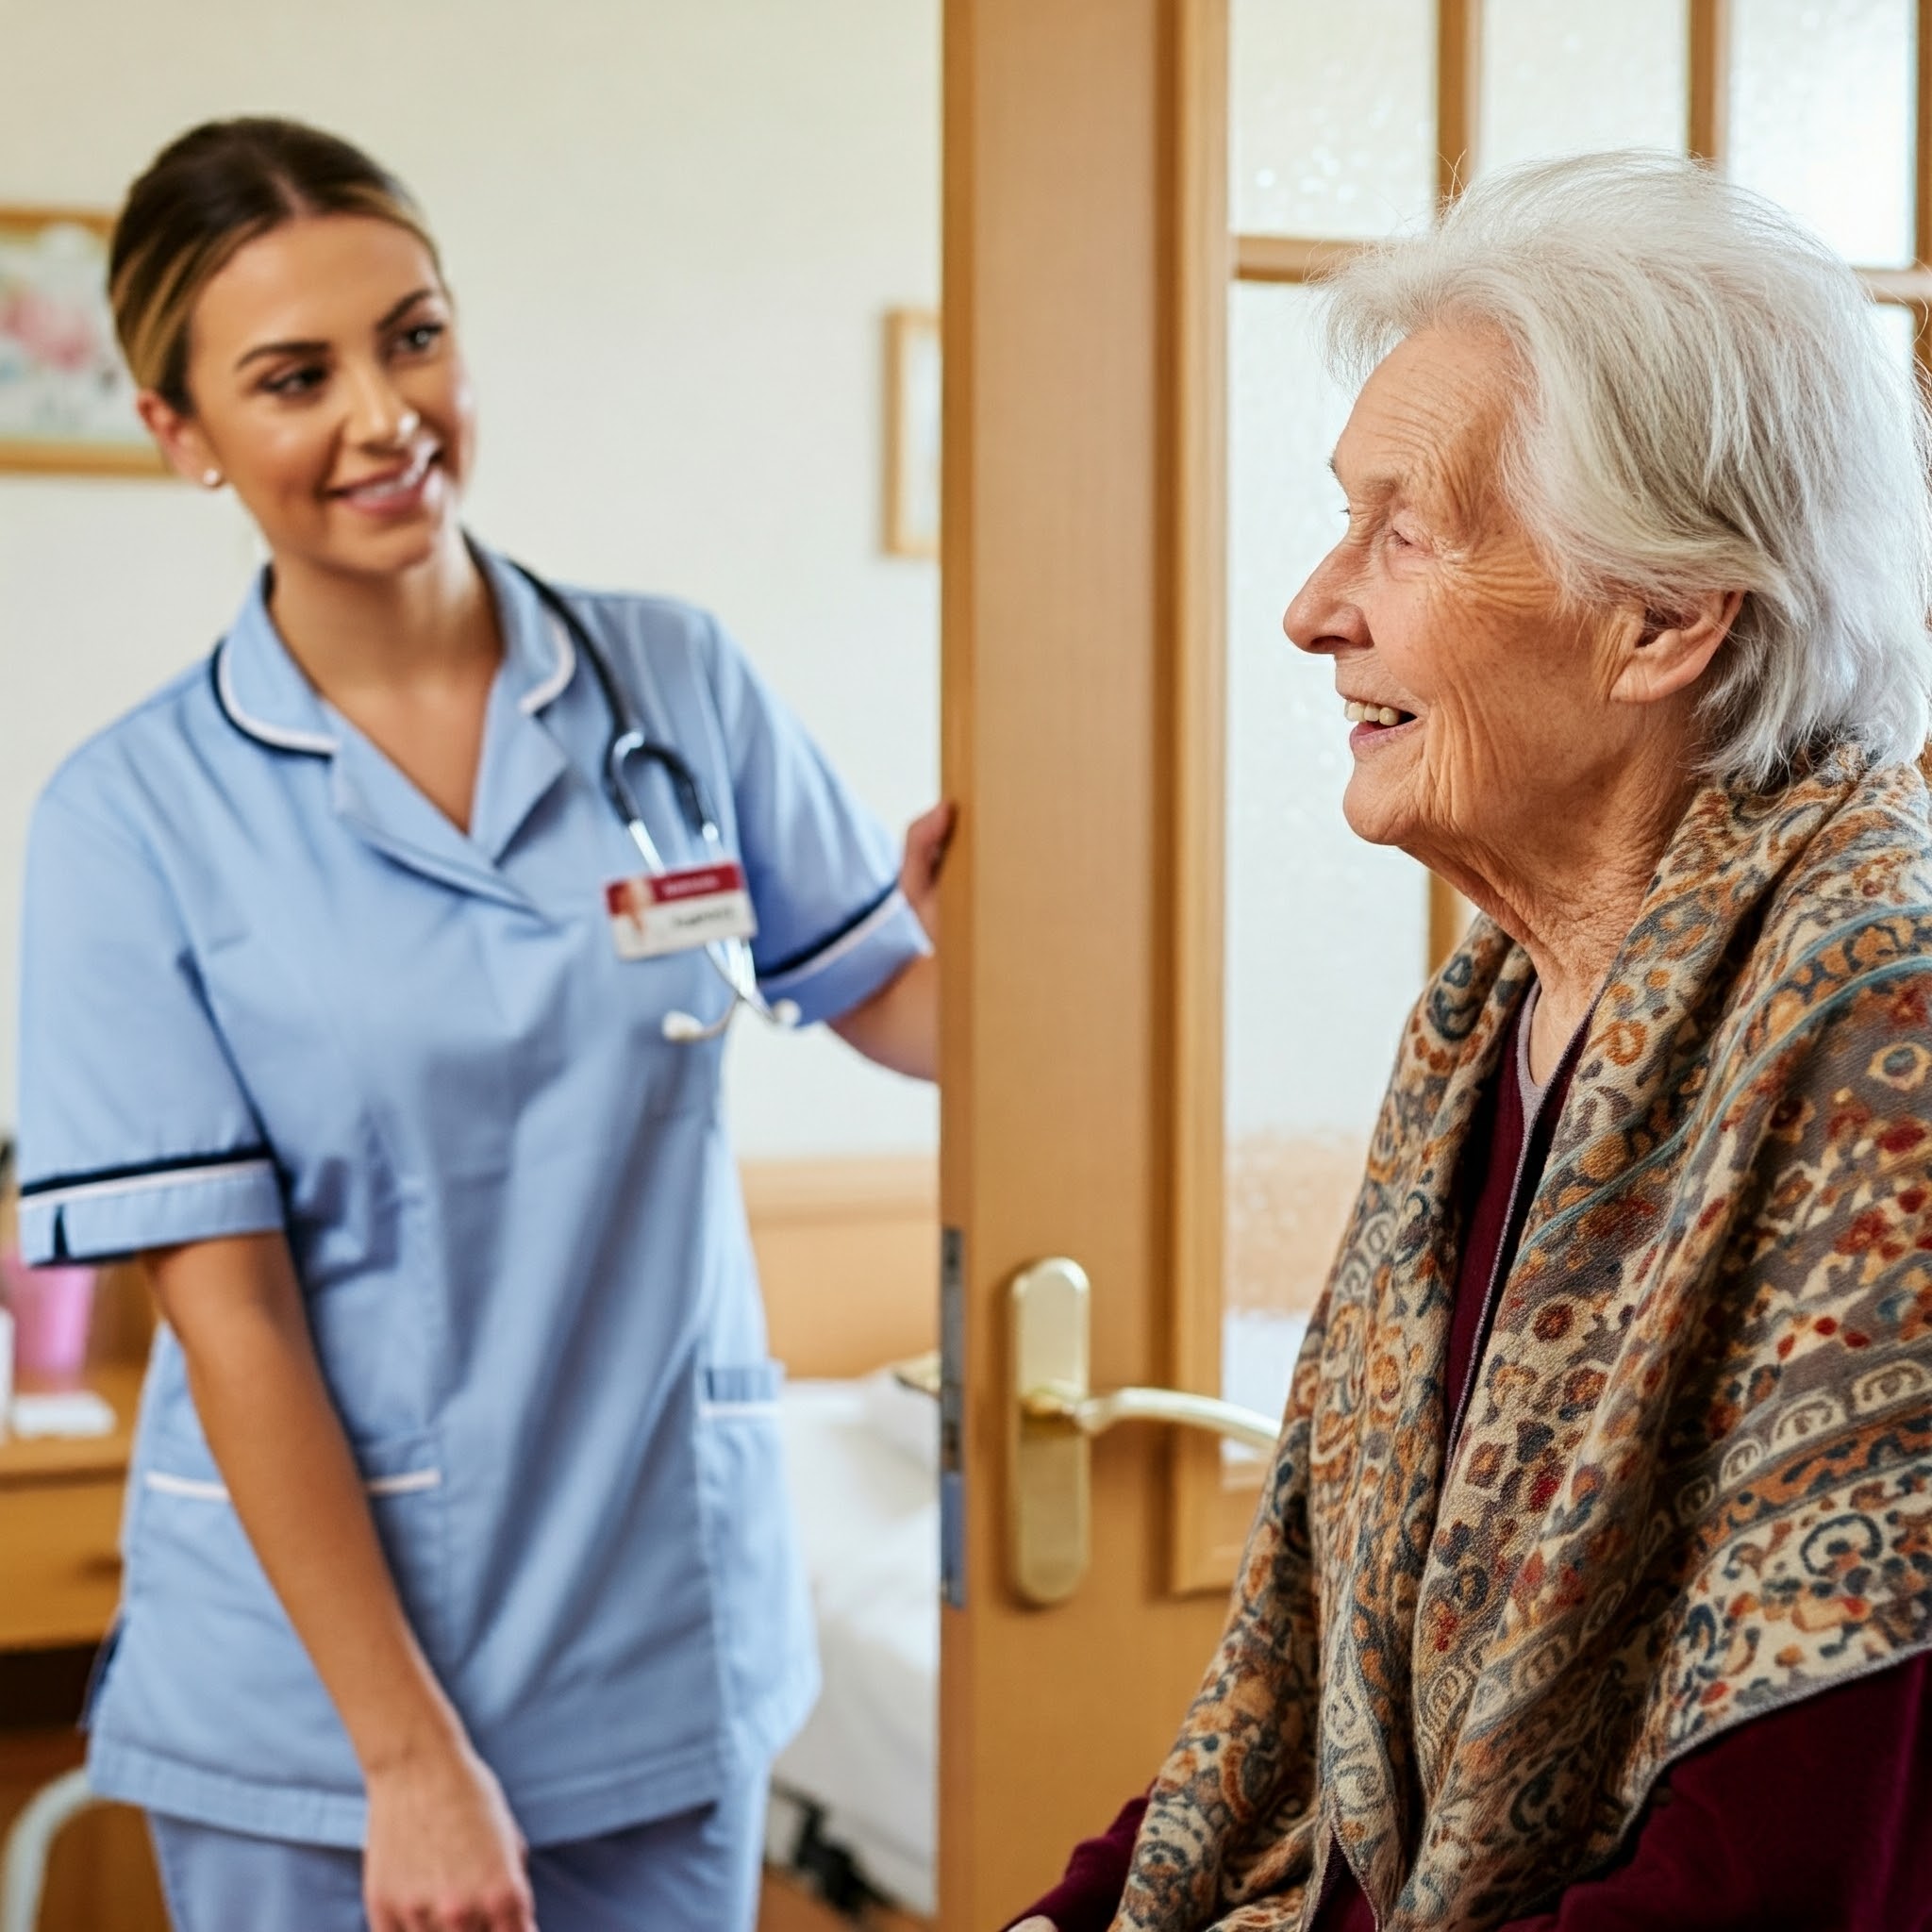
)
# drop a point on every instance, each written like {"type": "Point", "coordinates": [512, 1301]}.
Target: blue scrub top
{"type": "Point", "coordinates": [266, 986]}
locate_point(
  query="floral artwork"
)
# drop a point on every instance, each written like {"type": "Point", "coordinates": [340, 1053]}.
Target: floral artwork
{"type": "Point", "coordinates": [66, 402]}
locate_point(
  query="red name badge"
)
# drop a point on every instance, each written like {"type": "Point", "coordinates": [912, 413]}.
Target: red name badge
{"type": "Point", "coordinates": [650, 917]}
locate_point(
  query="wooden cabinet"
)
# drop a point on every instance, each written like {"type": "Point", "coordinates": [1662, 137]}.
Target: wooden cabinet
{"type": "Point", "coordinates": [63, 1574]}
{"type": "Point", "coordinates": [60, 1523]}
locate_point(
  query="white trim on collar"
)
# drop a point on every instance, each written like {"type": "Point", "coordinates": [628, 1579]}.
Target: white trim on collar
{"type": "Point", "coordinates": [319, 743]}
{"type": "Point", "coordinates": [533, 701]}
{"type": "Point", "coordinates": [268, 734]}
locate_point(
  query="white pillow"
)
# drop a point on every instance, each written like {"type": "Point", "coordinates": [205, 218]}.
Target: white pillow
{"type": "Point", "coordinates": [903, 1417]}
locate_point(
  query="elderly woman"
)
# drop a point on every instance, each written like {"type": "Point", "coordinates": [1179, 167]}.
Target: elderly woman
{"type": "Point", "coordinates": [1593, 1582]}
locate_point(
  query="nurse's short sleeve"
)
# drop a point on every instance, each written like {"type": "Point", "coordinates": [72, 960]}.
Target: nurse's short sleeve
{"type": "Point", "coordinates": [135, 1131]}
{"type": "Point", "coordinates": [834, 928]}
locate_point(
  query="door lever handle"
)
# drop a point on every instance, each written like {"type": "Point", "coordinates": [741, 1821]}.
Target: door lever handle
{"type": "Point", "coordinates": [1093, 1415]}
{"type": "Point", "coordinates": [1054, 1417]}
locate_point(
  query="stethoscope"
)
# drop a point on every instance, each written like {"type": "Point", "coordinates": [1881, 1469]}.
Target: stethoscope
{"type": "Point", "coordinates": [730, 960]}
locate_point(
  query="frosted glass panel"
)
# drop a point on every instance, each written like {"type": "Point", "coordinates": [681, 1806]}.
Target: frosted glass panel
{"type": "Point", "coordinates": [1561, 78]}
{"type": "Point", "coordinates": [1334, 116]}
{"type": "Point", "coordinates": [1326, 937]}
{"type": "Point", "coordinates": [1822, 117]}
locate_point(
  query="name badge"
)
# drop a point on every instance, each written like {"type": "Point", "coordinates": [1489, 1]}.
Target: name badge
{"type": "Point", "coordinates": [650, 917]}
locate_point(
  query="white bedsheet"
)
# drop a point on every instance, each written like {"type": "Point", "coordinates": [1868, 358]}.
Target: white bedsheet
{"type": "Point", "coordinates": [863, 1465]}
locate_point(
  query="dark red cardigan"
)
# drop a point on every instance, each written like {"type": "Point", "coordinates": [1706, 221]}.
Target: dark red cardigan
{"type": "Point", "coordinates": [1815, 1818]}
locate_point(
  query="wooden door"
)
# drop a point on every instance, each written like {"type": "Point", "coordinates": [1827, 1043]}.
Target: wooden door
{"type": "Point", "coordinates": [1062, 589]}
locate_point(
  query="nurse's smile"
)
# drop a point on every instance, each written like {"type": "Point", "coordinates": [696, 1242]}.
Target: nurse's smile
{"type": "Point", "coordinates": [328, 391]}
{"type": "Point", "coordinates": [406, 490]}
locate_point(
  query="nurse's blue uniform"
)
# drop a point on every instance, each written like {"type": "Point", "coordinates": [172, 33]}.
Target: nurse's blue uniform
{"type": "Point", "coordinates": [268, 986]}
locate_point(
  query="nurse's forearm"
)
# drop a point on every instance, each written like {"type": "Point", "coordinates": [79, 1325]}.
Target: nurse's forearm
{"type": "Point", "coordinates": [236, 1309]}
{"type": "Point", "coordinates": [899, 1027]}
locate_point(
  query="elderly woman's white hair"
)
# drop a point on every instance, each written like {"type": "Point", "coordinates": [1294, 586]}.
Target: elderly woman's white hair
{"type": "Point", "coordinates": [1705, 405]}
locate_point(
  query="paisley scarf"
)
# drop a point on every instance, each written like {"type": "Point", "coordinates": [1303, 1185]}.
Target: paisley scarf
{"type": "Point", "coordinates": [1695, 1479]}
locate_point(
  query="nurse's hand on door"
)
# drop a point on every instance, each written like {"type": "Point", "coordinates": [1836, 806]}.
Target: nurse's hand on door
{"type": "Point", "coordinates": [926, 838]}
{"type": "Point", "coordinates": [899, 1026]}
{"type": "Point", "coordinates": [444, 1853]}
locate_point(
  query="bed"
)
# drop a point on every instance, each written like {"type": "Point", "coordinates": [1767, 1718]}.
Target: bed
{"type": "Point", "coordinates": [853, 1799]}
{"type": "Point", "coordinates": [848, 1255]}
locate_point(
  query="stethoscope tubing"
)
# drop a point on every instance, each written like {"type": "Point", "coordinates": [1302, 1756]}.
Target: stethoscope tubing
{"type": "Point", "coordinates": [730, 960]}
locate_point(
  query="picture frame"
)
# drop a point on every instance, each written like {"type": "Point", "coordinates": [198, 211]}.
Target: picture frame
{"type": "Point", "coordinates": [66, 399]}
{"type": "Point", "coordinates": [912, 433]}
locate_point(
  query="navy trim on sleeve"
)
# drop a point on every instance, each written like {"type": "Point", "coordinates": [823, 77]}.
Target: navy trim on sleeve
{"type": "Point", "coordinates": [806, 955]}
{"type": "Point", "coordinates": [101, 1176]}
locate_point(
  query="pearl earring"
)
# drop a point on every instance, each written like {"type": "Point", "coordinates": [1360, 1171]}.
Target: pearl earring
{"type": "Point", "coordinates": [211, 479]}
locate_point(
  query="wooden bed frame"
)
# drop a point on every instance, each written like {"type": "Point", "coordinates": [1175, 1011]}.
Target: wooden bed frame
{"type": "Point", "coordinates": [849, 1256]}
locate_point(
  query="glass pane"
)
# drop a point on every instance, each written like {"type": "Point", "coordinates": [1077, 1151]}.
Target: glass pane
{"type": "Point", "coordinates": [1559, 78]}
{"type": "Point", "coordinates": [1334, 116]}
{"type": "Point", "coordinates": [1822, 117]}
{"type": "Point", "coordinates": [1326, 937]}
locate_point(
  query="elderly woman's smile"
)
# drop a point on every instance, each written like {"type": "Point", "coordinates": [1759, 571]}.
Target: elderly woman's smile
{"type": "Point", "coordinates": [1522, 741]}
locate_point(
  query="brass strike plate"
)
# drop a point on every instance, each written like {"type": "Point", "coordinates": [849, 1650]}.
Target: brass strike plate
{"type": "Point", "coordinates": [1049, 1512]}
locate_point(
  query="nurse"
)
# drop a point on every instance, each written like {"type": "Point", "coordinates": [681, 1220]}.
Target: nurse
{"type": "Point", "coordinates": [460, 1590]}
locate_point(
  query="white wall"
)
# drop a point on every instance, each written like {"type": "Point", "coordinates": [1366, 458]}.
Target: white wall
{"type": "Point", "coordinates": [674, 227]}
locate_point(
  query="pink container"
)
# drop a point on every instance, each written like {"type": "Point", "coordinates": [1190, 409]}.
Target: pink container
{"type": "Point", "coordinates": [51, 1308]}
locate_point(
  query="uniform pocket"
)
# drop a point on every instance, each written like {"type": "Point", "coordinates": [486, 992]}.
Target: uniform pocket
{"type": "Point", "coordinates": [183, 1511]}
{"type": "Point", "coordinates": [741, 1395]}
{"type": "Point", "coordinates": [208, 1672]}
{"type": "Point", "coordinates": [763, 1617]}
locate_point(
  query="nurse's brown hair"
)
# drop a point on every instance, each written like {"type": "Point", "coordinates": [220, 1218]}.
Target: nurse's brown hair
{"type": "Point", "coordinates": [204, 196]}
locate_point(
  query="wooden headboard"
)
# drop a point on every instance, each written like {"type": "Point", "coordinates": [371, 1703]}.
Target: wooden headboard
{"type": "Point", "coordinates": [849, 1255]}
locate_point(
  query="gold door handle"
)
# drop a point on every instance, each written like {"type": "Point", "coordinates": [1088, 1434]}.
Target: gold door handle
{"type": "Point", "coordinates": [1093, 1415]}
{"type": "Point", "coordinates": [1055, 1416]}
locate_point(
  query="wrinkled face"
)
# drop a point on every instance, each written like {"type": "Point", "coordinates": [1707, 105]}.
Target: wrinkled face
{"type": "Point", "coordinates": [329, 390]}
{"type": "Point", "coordinates": [1477, 704]}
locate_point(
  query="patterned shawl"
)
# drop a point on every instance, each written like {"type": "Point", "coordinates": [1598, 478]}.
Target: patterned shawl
{"type": "Point", "coordinates": [1694, 1482]}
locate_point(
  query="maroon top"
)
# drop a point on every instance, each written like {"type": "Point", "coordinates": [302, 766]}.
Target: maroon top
{"type": "Point", "coordinates": [1743, 1834]}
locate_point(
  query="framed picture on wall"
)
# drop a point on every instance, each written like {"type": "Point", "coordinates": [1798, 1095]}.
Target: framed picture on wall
{"type": "Point", "coordinates": [912, 432]}
{"type": "Point", "coordinates": [66, 402]}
